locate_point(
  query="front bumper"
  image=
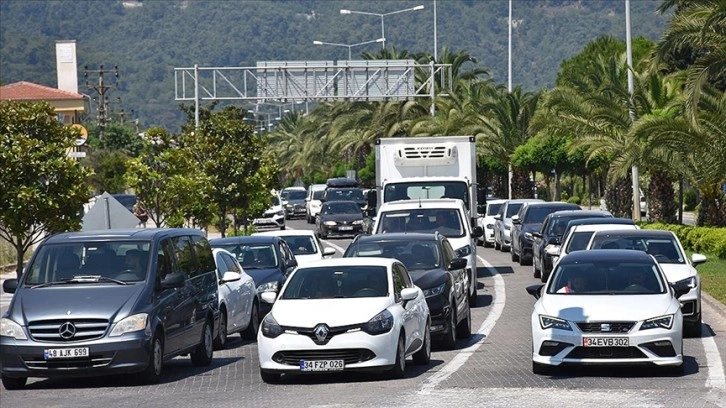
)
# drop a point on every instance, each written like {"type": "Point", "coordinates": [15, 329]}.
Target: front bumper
{"type": "Point", "coordinates": [128, 353]}
{"type": "Point", "coordinates": [342, 229]}
{"type": "Point", "coordinates": [275, 221]}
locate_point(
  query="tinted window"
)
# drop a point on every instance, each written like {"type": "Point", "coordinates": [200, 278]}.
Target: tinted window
{"type": "Point", "coordinates": [301, 245]}
{"type": "Point", "coordinates": [492, 209]}
{"type": "Point", "coordinates": [203, 251]}
{"type": "Point", "coordinates": [341, 208]}
{"type": "Point", "coordinates": [294, 194]}
{"type": "Point", "coordinates": [230, 263]}
{"type": "Point", "coordinates": [184, 255]}
{"type": "Point", "coordinates": [579, 241]}
{"type": "Point", "coordinates": [512, 209]}
{"type": "Point", "coordinates": [607, 278]}
{"type": "Point", "coordinates": [317, 195]}
{"type": "Point", "coordinates": [337, 282]}
{"type": "Point", "coordinates": [448, 222]}
{"type": "Point", "coordinates": [164, 261]}
{"type": "Point", "coordinates": [536, 215]}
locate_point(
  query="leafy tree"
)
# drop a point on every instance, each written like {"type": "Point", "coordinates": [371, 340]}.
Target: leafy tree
{"type": "Point", "coordinates": [42, 189]}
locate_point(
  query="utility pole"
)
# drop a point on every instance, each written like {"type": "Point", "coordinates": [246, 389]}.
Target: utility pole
{"type": "Point", "coordinates": [101, 88]}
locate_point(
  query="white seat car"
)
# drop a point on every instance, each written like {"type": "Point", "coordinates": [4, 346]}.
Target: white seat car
{"type": "Point", "coordinates": [345, 314]}
{"type": "Point", "coordinates": [666, 248]}
{"type": "Point", "coordinates": [304, 244]}
{"type": "Point", "coordinates": [238, 304]}
{"type": "Point", "coordinates": [448, 216]}
{"type": "Point", "coordinates": [606, 307]}
{"type": "Point", "coordinates": [486, 222]}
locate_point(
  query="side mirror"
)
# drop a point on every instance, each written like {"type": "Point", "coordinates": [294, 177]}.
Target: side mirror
{"type": "Point", "coordinates": [537, 234]}
{"type": "Point", "coordinates": [515, 219]}
{"type": "Point", "coordinates": [173, 280]}
{"type": "Point", "coordinates": [328, 251]}
{"type": "Point", "coordinates": [498, 217]}
{"type": "Point", "coordinates": [268, 297]}
{"type": "Point", "coordinates": [230, 276]}
{"type": "Point", "coordinates": [535, 290]}
{"type": "Point", "coordinates": [697, 259]}
{"type": "Point", "coordinates": [408, 294]}
{"type": "Point", "coordinates": [457, 263]}
{"type": "Point", "coordinates": [10, 285]}
{"type": "Point", "coordinates": [553, 251]}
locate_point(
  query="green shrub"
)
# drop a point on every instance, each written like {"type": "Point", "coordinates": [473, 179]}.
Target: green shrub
{"type": "Point", "coordinates": [574, 200]}
{"type": "Point", "coordinates": [690, 200]}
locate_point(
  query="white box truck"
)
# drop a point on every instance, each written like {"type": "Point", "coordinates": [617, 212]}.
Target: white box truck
{"type": "Point", "coordinates": [427, 167]}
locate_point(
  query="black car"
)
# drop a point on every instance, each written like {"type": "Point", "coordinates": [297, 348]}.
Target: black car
{"type": "Point", "coordinates": [345, 194]}
{"type": "Point", "coordinates": [267, 259]}
{"type": "Point", "coordinates": [339, 218]}
{"type": "Point", "coordinates": [553, 227]}
{"type": "Point", "coordinates": [294, 201]}
{"type": "Point", "coordinates": [434, 267]}
{"type": "Point", "coordinates": [108, 302]}
{"type": "Point", "coordinates": [528, 221]}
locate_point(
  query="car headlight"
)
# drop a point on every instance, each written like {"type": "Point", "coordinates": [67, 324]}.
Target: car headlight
{"type": "Point", "coordinates": [691, 282]}
{"type": "Point", "coordinates": [490, 226]}
{"type": "Point", "coordinates": [358, 222]}
{"type": "Point", "coordinates": [550, 322]}
{"type": "Point", "coordinates": [463, 251]}
{"type": "Point", "coordinates": [130, 324]}
{"type": "Point", "coordinates": [435, 291]}
{"type": "Point", "coordinates": [9, 328]}
{"type": "Point", "coordinates": [379, 324]}
{"type": "Point", "coordinates": [330, 223]}
{"type": "Point", "coordinates": [664, 322]}
{"type": "Point", "coordinates": [281, 212]}
{"type": "Point", "coordinates": [268, 287]}
{"type": "Point", "coordinates": [270, 328]}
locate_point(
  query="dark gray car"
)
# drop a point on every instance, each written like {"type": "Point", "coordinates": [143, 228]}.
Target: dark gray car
{"type": "Point", "coordinates": [339, 218]}
{"type": "Point", "coordinates": [108, 302]}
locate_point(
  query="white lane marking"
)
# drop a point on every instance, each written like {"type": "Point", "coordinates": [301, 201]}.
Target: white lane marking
{"type": "Point", "coordinates": [716, 377]}
{"type": "Point", "coordinates": [463, 355]}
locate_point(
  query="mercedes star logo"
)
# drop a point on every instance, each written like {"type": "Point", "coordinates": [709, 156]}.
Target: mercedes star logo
{"type": "Point", "coordinates": [321, 332]}
{"type": "Point", "coordinates": [67, 330]}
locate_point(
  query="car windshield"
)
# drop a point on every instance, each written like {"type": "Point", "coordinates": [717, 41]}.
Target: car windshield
{"type": "Point", "coordinates": [536, 215]}
{"type": "Point", "coordinates": [416, 255]}
{"type": "Point", "coordinates": [294, 195]}
{"type": "Point", "coordinates": [317, 195]}
{"type": "Point", "coordinates": [512, 209]}
{"type": "Point", "coordinates": [301, 244]}
{"type": "Point", "coordinates": [341, 208]}
{"type": "Point", "coordinates": [337, 282]}
{"type": "Point", "coordinates": [607, 278]}
{"type": "Point", "coordinates": [664, 249]}
{"type": "Point", "coordinates": [446, 221]}
{"type": "Point", "coordinates": [578, 241]}
{"type": "Point", "coordinates": [493, 209]}
{"type": "Point", "coordinates": [252, 256]}
{"type": "Point", "coordinates": [125, 261]}
{"type": "Point", "coordinates": [275, 201]}
{"type": "Point", "coordinates": [343, 194]}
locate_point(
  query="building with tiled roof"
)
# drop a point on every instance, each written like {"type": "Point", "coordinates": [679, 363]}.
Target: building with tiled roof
{"type": "Point", "coordinates": [68, 105]}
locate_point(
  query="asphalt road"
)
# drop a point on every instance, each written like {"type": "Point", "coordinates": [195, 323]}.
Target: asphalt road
{"type": "Point", "coordinates": [491, 369]}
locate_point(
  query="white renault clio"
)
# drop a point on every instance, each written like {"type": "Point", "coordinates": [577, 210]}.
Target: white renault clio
{"type": "Point", "coordinates": [345, 314]}
{"type": "Point", "coordinates": [607, 307]}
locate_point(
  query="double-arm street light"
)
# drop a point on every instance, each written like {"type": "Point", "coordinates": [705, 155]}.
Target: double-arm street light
{"type": "Point", "coordinates": [350, 46]}
{"type": "Point", "coordinates": [381, 15]}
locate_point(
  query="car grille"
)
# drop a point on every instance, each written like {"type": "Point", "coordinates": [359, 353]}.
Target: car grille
{"type": "Point", "coordinates": [92, 361]}
{"type": "Point", "coordinates": [83, 329]}
{"type": "Point", "coordinates": [350, 356]}
{"type": "Point", "coordinates": [605, 352]}
{"type": "Point", "coordinates": [331, 332]}
{"type": "Point", "coordinates": [605, 327]}
{"type": "Point", "coordinates": [661, 348]}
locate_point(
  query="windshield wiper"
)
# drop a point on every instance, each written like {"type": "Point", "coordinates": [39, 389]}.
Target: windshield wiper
{"type": "Point", "coordinates": [81, 279]}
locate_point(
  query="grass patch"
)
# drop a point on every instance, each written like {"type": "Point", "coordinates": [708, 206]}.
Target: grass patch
{"type": "Point", "coordinates": [713, 277]}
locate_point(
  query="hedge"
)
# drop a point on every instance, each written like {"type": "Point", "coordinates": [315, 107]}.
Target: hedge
{"type": "Point", "coordinates": [708, 240]}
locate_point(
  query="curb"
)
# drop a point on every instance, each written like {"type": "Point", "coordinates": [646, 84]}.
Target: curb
{"type": "Point", "coordinates": [715, 304]}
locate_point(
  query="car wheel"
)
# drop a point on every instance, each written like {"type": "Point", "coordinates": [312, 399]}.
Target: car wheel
{"type": "Point", "coordinates": [497, 247]}
{"type": "Point", "coordinates": [541, 369]}
{"type": "Point", "coordinates": [514, 255]}
{"type": "Point", "coordinates": [544, 276]}
{"type": "Point", "coordinates": [14, 383]}
{"type": "Point", "coordinates": [250, 333]}
{"type": "Point", "coordinates": [152, 373]}
{"type": "Point", "coordinates": [202, 355]}
{"type": "Point", "coordinates": [399, 366]}
{"type": "Point", "coordinates": [423, 356]}
{"type": "Point", "coordinates": [269, 377]}
{"type": "Point", "coordinates": [448, 341]}
{"type": "Point", "coordinates": [474, 293]}
{"type": "Point", "coordinates": [221, 339]}
{"type": "Point", "coordinates": [692, 329]}
{"type": "Point", "coordinates": [535, 271]}
{"type": "Point", "coordinates": [282, 228]}
{"type": "Point", "coordinates": [323, 234]}
{"type": "Point", "coordinates": [463, 329]}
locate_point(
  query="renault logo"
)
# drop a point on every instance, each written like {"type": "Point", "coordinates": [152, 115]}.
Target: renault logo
{"type": "Point", "coordinates": [67, 330]}
{"type": "Point", "coordinates": [321, 332]}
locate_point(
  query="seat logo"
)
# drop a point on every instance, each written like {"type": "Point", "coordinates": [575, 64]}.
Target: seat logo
{"type": "Point", "coordinates": [321, 332]}
{"type": "Point", "coordinates": [67, 330]}
{"type": "Point", "coordinates": [605, 327]}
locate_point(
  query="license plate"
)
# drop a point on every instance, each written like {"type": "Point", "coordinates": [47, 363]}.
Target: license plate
{"type": "Point", "coordinates": [322, 365]}
{"type": "Point", "coordinates": [605, 342]}
{"type": "Point", "coordinates": [65, 353]}
{"type": "Point", "coordinates": [346, 228]}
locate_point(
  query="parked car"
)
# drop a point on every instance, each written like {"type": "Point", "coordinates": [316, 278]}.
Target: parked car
{"type": "Point", "coordinates": [486, 222]}
{"type": "Point", "coordinates": [503, 222]}
{"type": "Point", "coordinates": [448, 216]}
{"type": "Point", "coordinates": [267, 259]}
{"type": "Point", "coordinates": [110, 302]}
{"type": "Point", "coordinates": [549, 237]}
{"type": "Point", "coordinates": [339, 218]}
{"type": "Point", "coordinates": [273, 217]}
{"type": "Point", "coordinates": [435, 268]}
{"type": "Point", "coordinates": [345, 314]}
{"type": "Point", "coordinates": [606, 307]}
{"type": "Point", "coordinates": [527, 221]}
{"type": "Point", "coordinates": [312, 202]}
{"type": "Point", "coordinates": [294, 198]}
{"type": "Point", "coordinates": [304, 244]}
{"type": "Point", "coordinates": [578, 233]}
{"type": "Point", "coordinates": [239, 308]}
{"type": "Point", "coordinates": [667, 249]}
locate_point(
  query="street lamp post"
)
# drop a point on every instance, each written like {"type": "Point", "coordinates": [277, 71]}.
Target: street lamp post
{"type": "Point", "coordinates": [381, 15]}
{"type": "Point", "coordinates": [349, 46]}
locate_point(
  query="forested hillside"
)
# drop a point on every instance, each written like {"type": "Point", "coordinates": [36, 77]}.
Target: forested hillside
{"type": "Point", "coordinates": [148, 39]}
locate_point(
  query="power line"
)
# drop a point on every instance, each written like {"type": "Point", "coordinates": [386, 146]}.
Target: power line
{"type": "Point", "coordinates": [101, 89]}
